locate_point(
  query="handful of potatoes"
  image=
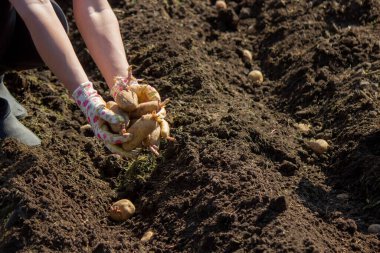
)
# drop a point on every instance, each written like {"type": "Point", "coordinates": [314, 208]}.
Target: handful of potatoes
{"type": "Point", "coordinates": [143, 112]}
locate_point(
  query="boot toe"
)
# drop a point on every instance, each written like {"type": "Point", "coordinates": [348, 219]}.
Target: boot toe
{"type": "Point", "coordinates": [19, 112]}
{"type": "Point", "coordinates": [10, 127]}
{"type": "Point", "coordinates": [25, 135]}
{"type": "Point", "coordinates": [17, 109]}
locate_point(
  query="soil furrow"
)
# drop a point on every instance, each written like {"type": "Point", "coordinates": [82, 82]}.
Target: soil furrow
{"type": "Point", "coordinates": [240, 177]}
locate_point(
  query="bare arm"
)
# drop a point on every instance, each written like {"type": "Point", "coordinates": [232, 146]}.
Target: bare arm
{"type": "Point", "coordinates": [100, 30]}
{"type": "Point", "coordinates": [51, 41]}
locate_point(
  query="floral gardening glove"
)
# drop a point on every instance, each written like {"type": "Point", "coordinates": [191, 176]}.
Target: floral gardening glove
{"type": "Point", "coordinates": [117, 149]}
{"type": "Point", "coordinates": [94, 107]}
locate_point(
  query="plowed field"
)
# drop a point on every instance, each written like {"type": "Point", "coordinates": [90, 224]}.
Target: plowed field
{"type": "Point", "coordinates": [240, 177]}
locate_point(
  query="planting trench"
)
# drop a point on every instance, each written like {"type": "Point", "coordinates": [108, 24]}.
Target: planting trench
{"type": "Point", "coordinates": [240, 176]}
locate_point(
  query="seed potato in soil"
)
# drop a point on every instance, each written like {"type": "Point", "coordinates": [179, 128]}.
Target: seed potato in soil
{"type": "Point", "coordinates": [239, 177]}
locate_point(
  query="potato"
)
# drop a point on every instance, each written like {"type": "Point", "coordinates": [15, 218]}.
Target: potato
{"type": "Point", "coordinates": [118, 128]}
{"type": "Point", "coordinates": [165, 130]}
{"type": "Point", "coordinates": [122, 210]}
{"type": "Point", "coordinates": [148, 107]}
{"type": "Point", "coordinates": [221, 5]}
{"type": "Point", "coordinates": [123, 95]}
{"type": "Point", "coordinates": [145, 108]}
{"type": "Point", "coordinates": [127, 100]}
{"type": "Point", "coordinates": [145, 93]}
{"type": "Point", "coordinates": [319, 146]}
{"type": "Point", "coordinates": [247, 55]}
{"type": "Point", "coordinates": [140, 130]}
{"type": "Point", "coordinates": [256, 76]}
{"type": "Point", "coordinates": [131, 122]}
{"type": "Point", "coordinates": [153, 141]}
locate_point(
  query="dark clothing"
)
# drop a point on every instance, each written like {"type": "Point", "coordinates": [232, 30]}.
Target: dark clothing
{"type": "Point", "coordinates": [17, 50]}
{"type": "Point", "coordinates": [7, 21]}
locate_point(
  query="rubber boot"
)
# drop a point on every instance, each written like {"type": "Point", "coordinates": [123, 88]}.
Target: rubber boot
{"type": "Point", "coordinates": [11, 127]}
{"type": "Point", "coordinates": [18, 110]}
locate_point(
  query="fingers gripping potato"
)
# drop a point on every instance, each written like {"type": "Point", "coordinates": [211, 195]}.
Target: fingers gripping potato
{"type": "Point", "coordinates": [118, 149]}
{"type": "Point", "coordinates": [118, 128]}
{"type": "Point", "coordinates": [110, 137]}
{"type": "Point", "coordinates": [140, 130]}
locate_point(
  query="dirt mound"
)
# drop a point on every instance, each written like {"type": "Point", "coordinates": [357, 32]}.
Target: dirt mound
{"type": "Point", "coordinates": [240, 177]}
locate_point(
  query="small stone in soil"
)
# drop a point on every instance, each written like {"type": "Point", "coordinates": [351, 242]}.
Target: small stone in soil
{"type": "Point", "coordinates": [343, 196]}
{"type": "Point", "coordinates": [147, 236]}
{"type": "Point", "coordinates": [305, 128]}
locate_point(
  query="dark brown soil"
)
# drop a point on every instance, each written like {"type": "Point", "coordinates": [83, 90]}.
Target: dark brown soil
{"type": "Point", "coordinates": [240, 177]}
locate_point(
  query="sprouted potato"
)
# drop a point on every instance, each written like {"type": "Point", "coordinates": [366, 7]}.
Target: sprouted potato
{"type": "Point", "coordinates": [148, 107]}
{"type": "Point", "coordinates": [165, 130]}
{"type": "Point", "coordinates": [140, 130]}
{"type": "Point", "coordinates": [127, 100]}
{"type": "Point", "coordinates": [153, 141]}
{"type": "Point", "coordinates": [145, 93]}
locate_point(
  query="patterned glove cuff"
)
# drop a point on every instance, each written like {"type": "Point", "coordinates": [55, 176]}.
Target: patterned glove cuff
{"type": "Point", "coordinates": [88, 100]}
{"type": "Point", "coordinates": [83, 92]}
